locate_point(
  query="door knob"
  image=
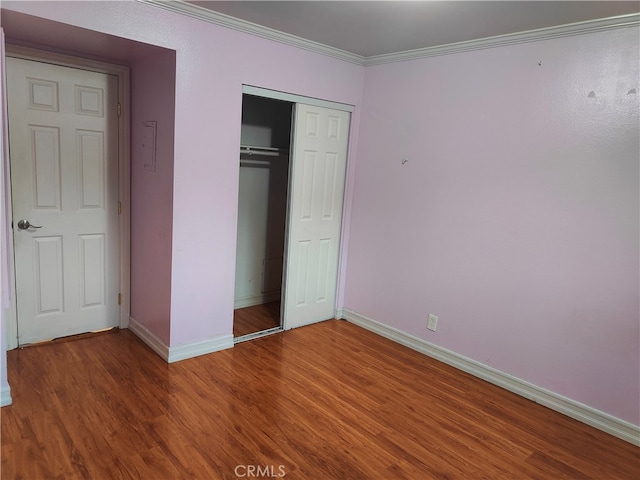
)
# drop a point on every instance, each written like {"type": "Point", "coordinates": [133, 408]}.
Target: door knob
{"type": "Point", "coordinates": [25, 225]}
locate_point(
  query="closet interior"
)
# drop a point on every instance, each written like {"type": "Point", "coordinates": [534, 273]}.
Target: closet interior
{"type": "Point", "coordinates": [262, 214]}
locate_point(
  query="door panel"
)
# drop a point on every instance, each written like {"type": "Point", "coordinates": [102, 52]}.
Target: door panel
{"type": "Point", "coordinates": [92, 274]}
{"type": "Point", "coordinates": [45, 148]}
{"type": "Point", "coordinates": [64, 175]}
{"type": "Point", "coordinates": [49, 276]}
{"type": "Point", "coordinates": [315, 219]}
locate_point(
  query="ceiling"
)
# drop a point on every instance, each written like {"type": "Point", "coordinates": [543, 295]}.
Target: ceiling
{"type": "Point", "coordinates": [369, 28]}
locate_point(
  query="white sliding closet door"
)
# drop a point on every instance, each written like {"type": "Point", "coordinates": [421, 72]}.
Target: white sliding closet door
{"type": "Point", "coordinates": [318, 172]}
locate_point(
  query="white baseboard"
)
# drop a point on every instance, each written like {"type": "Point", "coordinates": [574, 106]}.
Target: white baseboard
{"type": "Point", "coordinates": [259, 299]}
{"type": "Point", "coordinates": [191, 350]}
{"type": "Point", "coordinates": [576, 410]}
{"type": "Point", "coordinates": [5, 396]}
{"type": "Point", "coordinates": [152, 341]}
{"type": "Point", "coordinates": [181, 352]}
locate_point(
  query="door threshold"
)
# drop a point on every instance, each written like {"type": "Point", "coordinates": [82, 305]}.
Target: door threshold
{"type": "Point", "coordinates": [260, 334]}
{"type": "Point", "coordinates": [69, 338]}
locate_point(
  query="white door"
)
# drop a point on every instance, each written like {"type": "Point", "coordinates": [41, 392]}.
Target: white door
{"type": "Point", "coordinates": [64, 177]}
{"type": "Point", "coordinates": [320, 144]}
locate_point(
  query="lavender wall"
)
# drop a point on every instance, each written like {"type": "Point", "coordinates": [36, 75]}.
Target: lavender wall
{"type": "Point", "coordinates": [212, 64]}
{"type": "Point", "coordinates": [152, 72]}
{"type": "Point", "coordinates": [152, 99]}
{"type": "Point", "coordinates": [516, 218]}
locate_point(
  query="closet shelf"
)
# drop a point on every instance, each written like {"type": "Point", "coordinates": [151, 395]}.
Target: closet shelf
{"type": "Point", "coordinates": [268, 151]}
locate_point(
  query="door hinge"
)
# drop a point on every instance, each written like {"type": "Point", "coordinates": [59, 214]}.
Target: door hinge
{"type": "Point", "coordinates": [119, 109]}
{"type": "Point", "coordinates": [119, 299]}
{"type": "Point", "coordinates": [119, 208]}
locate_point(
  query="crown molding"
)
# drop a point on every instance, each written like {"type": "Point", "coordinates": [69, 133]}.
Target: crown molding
{"type": "Point", "coordinates": [201, 13]}
{"type": "Point", "coordinates": [536, 35]}
{"type": "Point", "coordinates": [579, 28]}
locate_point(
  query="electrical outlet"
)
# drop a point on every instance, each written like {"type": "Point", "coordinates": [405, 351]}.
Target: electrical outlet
{"type": "Point", "coordinates": [432, 323]}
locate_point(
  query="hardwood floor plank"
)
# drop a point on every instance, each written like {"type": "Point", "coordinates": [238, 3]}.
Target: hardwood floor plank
{"type": "Point", "coordinates": [328, 401]}
{"type": "Point", "coordinates": [256, 318]}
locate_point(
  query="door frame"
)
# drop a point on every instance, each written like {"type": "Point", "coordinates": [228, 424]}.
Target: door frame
{"type": "Point", "coordinates": [317, 102]}
{"type": "Point", "coordinates": [124, 178]}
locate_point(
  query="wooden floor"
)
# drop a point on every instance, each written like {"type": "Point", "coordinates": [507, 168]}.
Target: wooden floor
{"type": "Point", "coordinates": [328, 401]}
{"type": "Point", "coordinates": [256, 319]}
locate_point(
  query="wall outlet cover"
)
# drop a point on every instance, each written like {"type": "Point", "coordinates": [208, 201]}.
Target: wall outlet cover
{"type": "Point", "coordinates": [432, 322]}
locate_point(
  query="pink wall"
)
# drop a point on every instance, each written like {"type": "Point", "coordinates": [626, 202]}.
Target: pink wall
{"type": "Point", "coordinates": [212, 63]}
{"type": "Point", "coordinates": [516, 218]}
{"type": "Point", "coordinates": [206, 188]}
{"type": "Point", "coordinates": [152, 99]}
{"type": "Point", "coordinates": [152, 72]}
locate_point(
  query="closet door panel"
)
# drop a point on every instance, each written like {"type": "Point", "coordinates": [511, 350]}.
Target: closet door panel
{"type": "Point", "coordinates": [318, 173]}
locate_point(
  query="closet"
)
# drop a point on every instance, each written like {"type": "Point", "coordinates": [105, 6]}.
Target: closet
{"type": "Point", "coordinates": [292, 156]}
{"type": "Point", "coordinates": [262, 213]}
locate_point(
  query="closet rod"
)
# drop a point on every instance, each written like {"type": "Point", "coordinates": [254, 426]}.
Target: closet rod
{"type": "Point", "coordinates": [251, 150]}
